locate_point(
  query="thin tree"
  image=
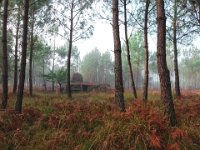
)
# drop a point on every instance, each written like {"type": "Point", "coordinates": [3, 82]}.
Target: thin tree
{"type": "Point", "coordinates": [176, 69]}
{"type": "Point", "coordinates": [70, 50]}
{"type": "Point", "coordinates": [165, 83]}
{"type": "Point", "coordinates": [16, 53]}
{"type": "Point", "coordinates": [146, 67]}
{"type": "Point", "coordinates": [53, 65]}
{"type": "Point", "coordinates": [20, 92]}
{"type": "Point", "coordinates": [119, 90]}
{"type": "Point", "coordinates": [128, 51]}
{"type": "Point", "coordinates": [180, 32]}
{"type": "Point", "coordinates": [5, 57]}
{"type": "Point", "coordinates": [31, 54]}
{"type": "Point", "coordinates": [77, 25]}
{"type": "Point", "coordinates": [36, 11]}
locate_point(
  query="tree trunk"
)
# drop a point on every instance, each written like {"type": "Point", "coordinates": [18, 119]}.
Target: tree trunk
{"type": "Point", "coordinates": [31, 58]}
{"type": "Point", "coordinates": [146, 76]}
{"type": "Point", "coordinates": [54, 51]}
{"type": "Point", "coordinates": [69, 53]}
{"type": "Point", "coordinates": [60, 87]}
{"type": "Point", "coordinates": [20, 92]}
{"type": "Point", "coordinates": [44, 82]}
{"type": "Point", "coordinates": [137, 72]}
{"type": "Point", "coordinates": [16, 53]}
{"type": "Point", "coordinates": [5, 57]}
{"type": "Point", "coordinates": [119, 90]}
{"type": "Point", "coordinates": [165, 84]}
{"type": "Point", "coordinates": [176, 69]}
{"type": "Point", "coordinates": [128, 51]}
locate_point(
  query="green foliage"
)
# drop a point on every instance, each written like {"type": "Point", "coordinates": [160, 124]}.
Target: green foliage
{"type": "Point", "coordinates": [106, 68]}
{"type": "Point", "coordinates": [41, 55]}
{"type": "Point", "coordinates": [97, 67]}
{"type": "Point", "coordinates": [42, 51]}
{"type": "Point", "coordinates": [15, 2]}
{"type": "Point", "coordinates": [90, 64]}
{"type": "Point", "coordinates": [189, 67]}
{"type": "Point", "coordinates": [40, 13]}
{"type": "Point", "coordinates": [62, 52]}
{"type": "Point", "coordinates": [153, 62]}
{"type": "Point", "coordinates": [82, 18]}
{"type": "Point", "coordinates": [59, 75]}
{"type": "Point", "coordinates": [41, 59]}
{"type": "Point", "coordinates": [193, 53]}
{"type": "Point", "coordinates": [136, 44]}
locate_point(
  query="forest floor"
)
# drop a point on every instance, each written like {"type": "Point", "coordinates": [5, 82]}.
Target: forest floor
{"type": "Point", "coordinates": [93, 121]}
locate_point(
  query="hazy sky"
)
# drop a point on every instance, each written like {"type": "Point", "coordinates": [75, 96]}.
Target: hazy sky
{"type": "Point", "coordinates": [101, 39]}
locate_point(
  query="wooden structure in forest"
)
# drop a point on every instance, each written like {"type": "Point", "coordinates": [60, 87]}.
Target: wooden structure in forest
{"type": "Point", "coordinates": [88, 86]}
{"type": "Point", "coordinates": [77, 85]}
{"type": "Point", "coordinates": [82, 86]}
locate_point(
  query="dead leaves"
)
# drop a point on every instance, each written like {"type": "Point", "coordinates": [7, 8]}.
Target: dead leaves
{"type": "Point", "coordinates": [155, 141]}
{"type": "Point", "coordinates": [178, 133]}
{"type": "Point", "coordinates": [174, 146]}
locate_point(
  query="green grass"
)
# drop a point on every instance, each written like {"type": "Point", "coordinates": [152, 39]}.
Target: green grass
{"type": "Point", "coordinates": [93, 121]}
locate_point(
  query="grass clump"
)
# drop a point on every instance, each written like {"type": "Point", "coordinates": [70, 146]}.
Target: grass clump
{"type": "Point", "coordinates": [93, 121]}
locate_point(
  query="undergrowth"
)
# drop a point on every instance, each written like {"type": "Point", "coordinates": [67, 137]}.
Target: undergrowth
{"type": "Point", "coordinates": [93, 121]}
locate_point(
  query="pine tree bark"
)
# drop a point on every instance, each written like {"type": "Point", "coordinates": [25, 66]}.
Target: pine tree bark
{"type": "Point", "coordinates": [128, 51]}
{"type": "Point", "coordinates": [43, 71]}
{"type": "Point", "coordinates": [31, 58]}
{"type": "Point", "coordinates": [69, 53]}
{"type": "Point", "coordinates": [119, 90]}
{"type": "Point", "coordinates": [5, 57]}
{"type": "Point", "coordinates": [176, 69]}
{"type": "Point", "coordinates": [20, 92]}
{"type": "Point", "coordinates": [165, 83]}
{"type": "Point", "coordinates": [146, 67]}
{"type": "Point", "coordinates": [54, 55]}
{"type": "Point", "coordinates": [16, 53]}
